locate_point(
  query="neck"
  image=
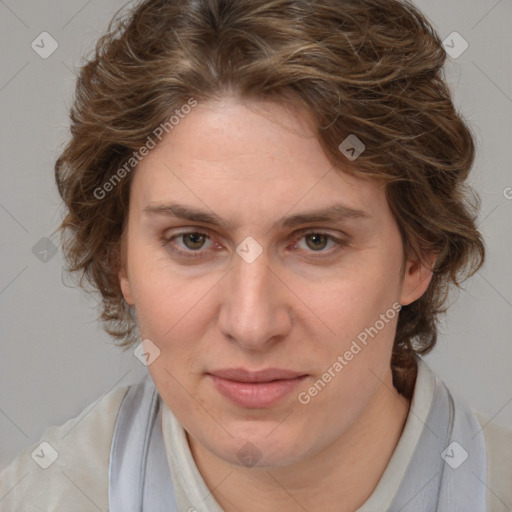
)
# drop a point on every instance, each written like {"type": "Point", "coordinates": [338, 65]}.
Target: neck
{"type": "Point", "coordinates": [340, 478]}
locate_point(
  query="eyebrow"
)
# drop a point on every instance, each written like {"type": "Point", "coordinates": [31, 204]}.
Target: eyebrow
{"type": "Point", "coordinates": [333, 213]}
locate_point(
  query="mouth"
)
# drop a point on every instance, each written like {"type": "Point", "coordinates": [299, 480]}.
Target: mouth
{"type": "Point", "coordinates": [255, 390]}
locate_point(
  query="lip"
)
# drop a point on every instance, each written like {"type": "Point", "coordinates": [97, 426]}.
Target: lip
{"type": "Point", "coordinates": [255, 389]}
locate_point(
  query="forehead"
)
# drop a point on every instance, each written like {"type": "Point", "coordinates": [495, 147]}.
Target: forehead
{"type": "Point", "coordinates": [256, 157]}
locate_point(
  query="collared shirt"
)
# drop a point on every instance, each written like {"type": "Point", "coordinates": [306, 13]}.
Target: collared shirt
{"type": "Point", "coordinates": [77, 480]}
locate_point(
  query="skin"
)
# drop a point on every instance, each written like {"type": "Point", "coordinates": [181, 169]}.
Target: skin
{"type": "Point", "coordinates": [298, 306]}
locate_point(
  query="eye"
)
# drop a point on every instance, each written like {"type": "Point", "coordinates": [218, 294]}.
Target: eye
{"type": "Point", "coordinates": [193, 240]}
{"type": "Point", "coordinates": [191, 244]}
{"type": "Point", "coordinates": [317, 241]}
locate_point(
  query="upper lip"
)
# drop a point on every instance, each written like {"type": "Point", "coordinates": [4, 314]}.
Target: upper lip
{"type": "Point", "coordinates": [266, 375]}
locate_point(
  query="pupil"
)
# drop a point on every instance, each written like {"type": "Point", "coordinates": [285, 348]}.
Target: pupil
{"type": "Point", "coordinates": [195, 238]}
{"type": "Point", "coordinates": [317, 238]}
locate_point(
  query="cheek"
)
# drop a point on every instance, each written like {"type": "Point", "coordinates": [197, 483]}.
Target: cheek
{"type": "Point", "coordinates": [166, 306]}
{"type": "Point", "coordinates": [162, 296]}
{"type": "Point", "coordinates": [361, 309]}
{"type": "Point", "coordinates": [356, 297]}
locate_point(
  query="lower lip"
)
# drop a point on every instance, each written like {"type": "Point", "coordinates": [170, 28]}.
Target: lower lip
{"type": "Point", "coordinates": [255, 394]}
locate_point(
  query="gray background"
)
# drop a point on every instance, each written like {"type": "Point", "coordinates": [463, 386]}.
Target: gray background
{"type": "Point", "coordinates": [55, 358]}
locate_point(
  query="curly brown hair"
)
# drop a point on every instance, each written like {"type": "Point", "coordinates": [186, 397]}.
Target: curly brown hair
{"type": "Point", "coordinates": [372, 68]}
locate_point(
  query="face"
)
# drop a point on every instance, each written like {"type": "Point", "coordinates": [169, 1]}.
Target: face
{"type": "Point", "coordinates": [256, 268]}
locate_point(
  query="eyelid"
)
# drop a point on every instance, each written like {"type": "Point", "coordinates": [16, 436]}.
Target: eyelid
{"type": "Point", "coordinates": [320, 231]}
{"type": "Point", "coordinates": [299, 232]}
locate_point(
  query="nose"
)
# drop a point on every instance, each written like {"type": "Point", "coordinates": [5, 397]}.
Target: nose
{"type": "Point", "coordinates": [255, 309]}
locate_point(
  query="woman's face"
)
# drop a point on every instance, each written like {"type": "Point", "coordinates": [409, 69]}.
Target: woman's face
{"type": "Point", "coordinates": [245, 252]}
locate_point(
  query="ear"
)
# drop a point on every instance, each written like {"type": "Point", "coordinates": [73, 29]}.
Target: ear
{"type": "Point", "coordinates": [418, 275]}
{"type": "Point", "coordinates": [126, 289]}
{"type": "Point", "coordinates": [124, 281]}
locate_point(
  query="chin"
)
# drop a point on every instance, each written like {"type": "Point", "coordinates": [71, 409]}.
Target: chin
{"type": "Point", "coordinates": [255, 447]}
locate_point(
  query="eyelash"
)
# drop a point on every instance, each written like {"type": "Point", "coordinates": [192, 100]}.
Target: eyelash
{"type": "Point", "coordinates": [167, 242]}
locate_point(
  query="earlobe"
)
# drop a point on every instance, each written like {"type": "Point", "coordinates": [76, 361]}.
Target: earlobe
{"type": "Point", "coordinates": [416, 279]}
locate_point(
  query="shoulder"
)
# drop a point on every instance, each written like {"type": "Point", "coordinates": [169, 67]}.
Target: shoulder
{"type": "Point", "coordinates": [68, 468]}
{"type": "Point", "coordinates": [498, 441]}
